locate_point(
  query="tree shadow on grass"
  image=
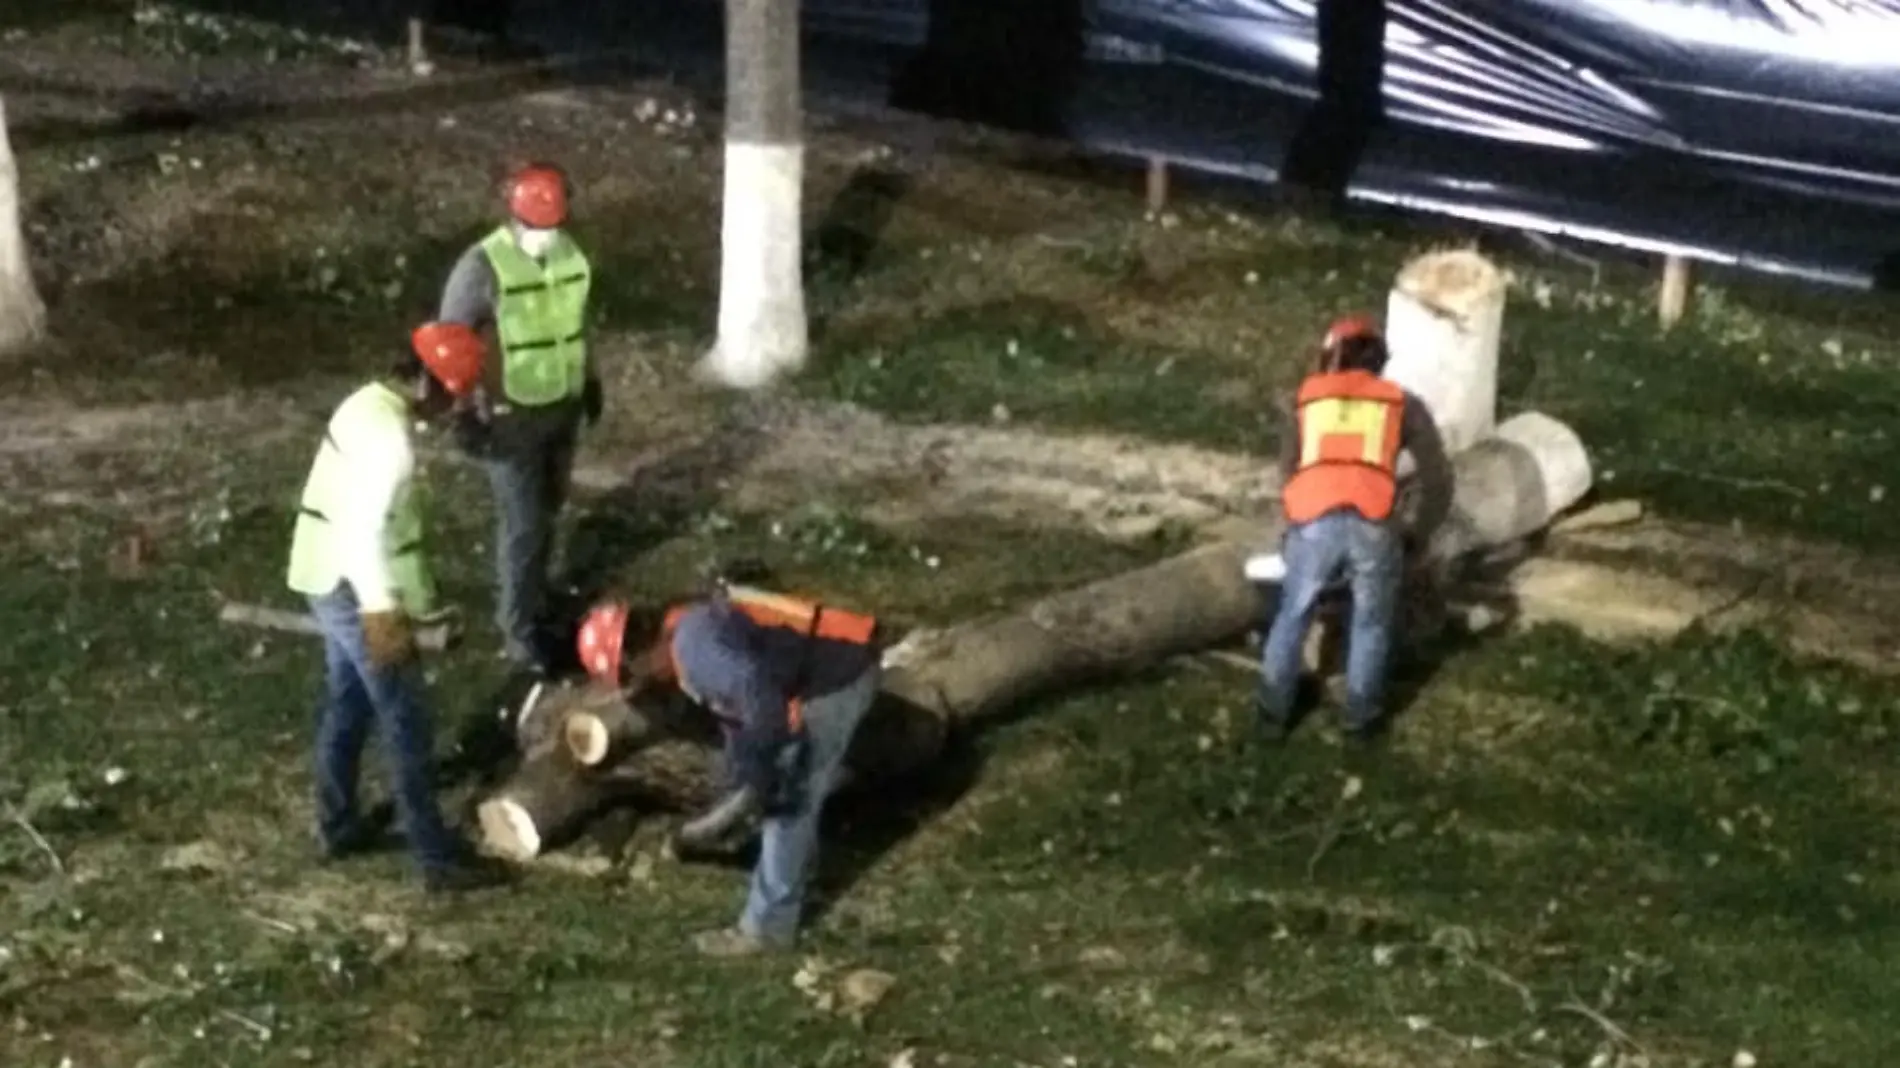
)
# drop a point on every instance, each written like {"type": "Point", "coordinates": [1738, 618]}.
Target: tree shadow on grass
{"type": "Point", "coordinates": [842, 245]}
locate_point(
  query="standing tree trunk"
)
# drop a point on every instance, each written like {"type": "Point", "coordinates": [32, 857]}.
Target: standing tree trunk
{"type": "Point", "coordinates": [22, 315]}
{"type": "Point", "coordinates": [762, 326]}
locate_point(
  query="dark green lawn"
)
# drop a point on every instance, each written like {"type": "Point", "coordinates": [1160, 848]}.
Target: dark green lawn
{"type": "Point", "coordinates": [1672, 854]}
{"type": "Point", "coordinates": [1687, 842]}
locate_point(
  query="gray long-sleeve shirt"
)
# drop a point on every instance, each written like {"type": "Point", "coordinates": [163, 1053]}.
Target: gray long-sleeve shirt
{"type": "Point", "coordinates": [1432, 476]}
{"type": "Point", "coordinates": [470, 297]}
{"type": "Point", "coordinates": [470, 294]}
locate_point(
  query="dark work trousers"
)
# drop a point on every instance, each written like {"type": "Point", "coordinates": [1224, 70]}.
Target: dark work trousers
{"type": "Point", "coordinates": [530, 460]}
{"type": "Point", "coordinates": [788, 845]}
{"type": "Point", "coordinates": [1372, 557]}
{"type": "Point", "coordinates": [357, 696]}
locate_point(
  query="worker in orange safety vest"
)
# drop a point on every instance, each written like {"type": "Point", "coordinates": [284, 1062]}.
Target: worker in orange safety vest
{"type": "Point", "coordinates": [789, 681]}
{"type": "Point", "coordinates": [1340, 464]}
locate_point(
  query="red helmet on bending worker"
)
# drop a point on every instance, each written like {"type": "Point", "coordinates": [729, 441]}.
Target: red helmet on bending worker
{"type": "Point", "coordinates": [602, 641]}
{"type": "Point", "coordinates": [1353, 343]}
{"type": "Point", "coordinates": [452, 353]}
{"type": "Point", "coordinates": [537, 196]}
{"type": "Point", "coordinates": [601, 644]}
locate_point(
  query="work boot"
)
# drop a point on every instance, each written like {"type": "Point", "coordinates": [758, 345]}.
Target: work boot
{"type": "Point", "coordinates": [1271, 726]}
{"type": "Point", "coordinates": [360, 836]}
{"type": "Point", "coordinates": [465, 873]}
{"type": "Point", "coordinates": [732, 942]}
{"type": "Point", "coordinates": [1363, 735]}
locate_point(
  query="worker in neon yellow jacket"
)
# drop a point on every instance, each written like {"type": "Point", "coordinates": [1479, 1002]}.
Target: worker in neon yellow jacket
{"type": "Point", "coordinates": [359, 555]}
{"type": "Point", "coordinates": [528, 281]}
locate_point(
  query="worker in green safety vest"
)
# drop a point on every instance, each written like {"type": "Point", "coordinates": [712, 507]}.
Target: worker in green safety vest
{"type": "Point", "coordinates": [527, 282]}
{"type": "Point", "coordinates": [359, 556]}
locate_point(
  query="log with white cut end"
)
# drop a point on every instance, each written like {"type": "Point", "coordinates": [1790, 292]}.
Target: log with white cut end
{"type": "Point", "coordinates": [1443, 323]}
{"type": "Point", "coordinates": [549, 793]}
{"type": "Point", "coordinates": [1508, 488]}
{"type": "Point", "coordinates": [604, 731]}
{"type": "Point", "coordinates": [762, 330]}
{"type": "Point", "coordinates": [22, 314]}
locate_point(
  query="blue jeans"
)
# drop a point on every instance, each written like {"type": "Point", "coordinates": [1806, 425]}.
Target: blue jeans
{"type": "Point", "coordinates": [788, 845]}
{"type": "Point", "coordinates": [528, 470]}
{"type": "Point", "coordinates": [1371, 558]}
{"type": "Point", "coordinates": [357, 696]}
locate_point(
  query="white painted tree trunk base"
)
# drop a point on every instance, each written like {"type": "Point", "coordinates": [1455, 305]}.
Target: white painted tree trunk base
{"type": "Point", "coordinates": [762, 324]}
{"type": "Point", "coordinates": [1443, 321]}
{"type": "Point", "coordinates": [22, 315]}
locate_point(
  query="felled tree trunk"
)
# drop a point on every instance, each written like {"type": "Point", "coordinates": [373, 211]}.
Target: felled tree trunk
{"type": "Point", "coordinates": [763, 330]}
{"type": "Point", "coordinates": [1508, 487]}
{"type": "Point", "coordinates": [22, 315]}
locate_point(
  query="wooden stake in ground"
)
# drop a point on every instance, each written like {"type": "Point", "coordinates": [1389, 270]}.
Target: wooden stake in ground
{"type": "Point", "coordinates": [1157, 184]}
{"type": "Point", "coordinates": [22, 314]}
{"type": "Point", "coordinates": [1672, 302]}
{"type": "Point", "coordinates": [763, 331]}
{"type": "Point", "coordinates": [418, 51]}
{"type": "Point", "coordinates": [1509, 487]}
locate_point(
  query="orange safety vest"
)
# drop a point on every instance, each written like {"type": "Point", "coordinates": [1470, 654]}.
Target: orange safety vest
{"type": "Point", "coordinates": [1349, 428]}
{"type": "Point", "coordinates": [813, 619]}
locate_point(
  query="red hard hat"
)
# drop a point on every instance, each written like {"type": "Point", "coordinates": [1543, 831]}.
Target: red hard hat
{"type": "Point", "coordinates": [537, 196]}
{"type": "Point", "coordinates": [452, 352]}
{"type": "Point", "coordinates": [602, 636]}
{"type": "Point", "coordinates": [1349, 328]}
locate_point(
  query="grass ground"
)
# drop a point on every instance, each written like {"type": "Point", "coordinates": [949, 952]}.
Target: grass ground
{"type": "Point", "coordinates": [1570, 854]}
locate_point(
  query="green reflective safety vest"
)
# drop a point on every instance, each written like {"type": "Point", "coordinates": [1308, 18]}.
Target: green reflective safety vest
{"type": "Point", "coordinates": [540, 317]}
{"type": "Point", "coordinates": [316, 562]}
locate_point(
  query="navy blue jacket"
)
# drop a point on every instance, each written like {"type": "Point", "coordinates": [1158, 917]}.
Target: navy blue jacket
{"type": "Point", "coordinates": [747, 673]}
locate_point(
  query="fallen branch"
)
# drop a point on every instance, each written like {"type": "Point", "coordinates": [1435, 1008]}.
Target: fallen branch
{"type": "Point", "coordinates": [1609, 1026]}
{"type": "Point", "coordinates": [1335, 827]}
{"type": "Point", "coordinates": [262, 1032]}
{"type": "Point", "coordinates": [19, 820]}
{"type": "Point", "coordinates": [1608, 514]}
{"type": "Point", "coordinates": [1773, 485]}
{"type": "Point", "coordinates": [429, 639]}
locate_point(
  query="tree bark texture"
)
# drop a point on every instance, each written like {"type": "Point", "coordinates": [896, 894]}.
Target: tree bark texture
{"type": "Point", "coordinates": [1508, 487]}
{"type": "Point", "coordinates": [762, 331]}
{"type": "Point", "coordinates": [22, 314]}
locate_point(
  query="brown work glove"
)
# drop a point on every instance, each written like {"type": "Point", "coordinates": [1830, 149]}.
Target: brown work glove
{"type": "Point", "coordinates": [388, 638]}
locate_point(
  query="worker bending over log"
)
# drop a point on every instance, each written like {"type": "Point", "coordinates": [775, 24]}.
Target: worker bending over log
{"type": "Point", "coordinates": [1340, 463]}
{"type": "Point", "coordinates": [789, 682]}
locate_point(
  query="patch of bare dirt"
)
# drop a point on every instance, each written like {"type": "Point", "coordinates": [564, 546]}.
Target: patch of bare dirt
{"type": "Point", "coordinates": [1828, 600]}
{"type": "Point", "coordinates": [1122, 487]}
{"type": "Point", "coordinates": [50, 431]}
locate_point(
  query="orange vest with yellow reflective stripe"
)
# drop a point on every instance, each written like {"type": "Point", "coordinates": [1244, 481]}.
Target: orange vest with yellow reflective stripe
{"type": "Point", "coordinates": [810, 618]}
{"type": "Point", "coordinates": [1349, 428]}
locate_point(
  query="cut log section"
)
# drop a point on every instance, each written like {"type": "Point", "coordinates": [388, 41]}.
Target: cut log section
{"type": "Point", "coordinates": [1672, 299]}
{"type": "Point", "coordinates": [1508, 487]}
{"type": "Point", "coordinates": [604, 731]}
{"type": "Point", "coordinates": [1443, 322]}
{"type": "Point", "coordinates": [547, 794]}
